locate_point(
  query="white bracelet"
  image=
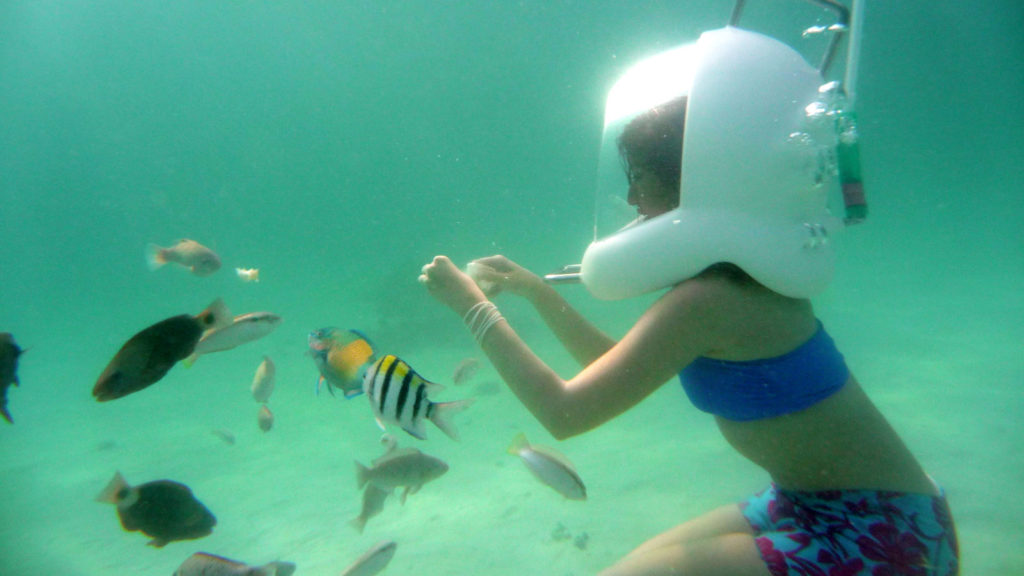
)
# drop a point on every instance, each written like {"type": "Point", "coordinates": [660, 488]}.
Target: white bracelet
{"type": "Point", "coordinates": [480, 318]}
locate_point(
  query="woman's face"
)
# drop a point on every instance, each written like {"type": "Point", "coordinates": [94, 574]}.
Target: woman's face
{"type": "Point", "coordinates": [649, 194]}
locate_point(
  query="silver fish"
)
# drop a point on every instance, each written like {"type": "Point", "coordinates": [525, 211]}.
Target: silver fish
{"type": "Point", "coordinates": [9, 352]}
{"type": "Point", "coordinates": [199, 259]}
{"type": "Point", "coordinates": [373, 561]}
{"type": "Point", "coordinates": [399, 395]}
{"type": "Point", "coordinates": [244, 328]}
{"type": "Point", "coordinates": [263, 383]}
{"type": "Point", "coordinates": [401, 467]}
{"type": "Point", "coordinates": [465, 371]}
{"type": "Point", "coordinates": [203, 564]}
{"type": "Point", "coordinates": [373, 503]}
{"type": "Point", "coordinates": [550, 467]}
{"type": "Point", "coordinates": [265, 419]}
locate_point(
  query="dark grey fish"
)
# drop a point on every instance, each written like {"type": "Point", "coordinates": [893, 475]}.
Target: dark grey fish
{"type": "Point", "coordinates": [146, 357]}
{"type": "Point", "coordinates": [164, 510]}
{"type": "Point", "coordinates": [9, 353]}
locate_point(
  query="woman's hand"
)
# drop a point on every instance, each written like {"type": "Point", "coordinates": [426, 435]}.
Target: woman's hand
{"type": "Point", "coordinates": [450, 286]}
{"type": "Point", "coordinates": [495, 274]}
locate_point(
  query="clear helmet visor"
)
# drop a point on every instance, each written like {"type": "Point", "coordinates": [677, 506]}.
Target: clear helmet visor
{"type": "Point", "coordinates": [641, 146]}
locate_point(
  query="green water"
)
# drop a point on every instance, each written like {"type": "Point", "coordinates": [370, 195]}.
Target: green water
{"type": "Point", "coordinates": [338, 146]}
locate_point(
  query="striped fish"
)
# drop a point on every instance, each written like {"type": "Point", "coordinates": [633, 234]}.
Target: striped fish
{"type": "Point", "coordinates": [399, 395]}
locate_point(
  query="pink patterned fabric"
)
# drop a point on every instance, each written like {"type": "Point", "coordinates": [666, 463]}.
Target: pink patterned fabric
{"type": "Point", "coordinates": [853, 533]}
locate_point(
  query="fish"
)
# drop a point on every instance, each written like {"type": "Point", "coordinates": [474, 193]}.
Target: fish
{"type": "Point", "coordinates": [373, 503]}
{"type": "Point", "coordinates": [204, 564]}
{"type": "Point", "coordinates": [199, 259]}
{"type": "Point", "coordinates": [263, 383]}
{"type": "Point", "coordinates": [248, 274]}
{"type": "Point", "coordinates": [550, 467]}
{"type": "Point", "coordinates": [399, 395]}
{"type": "Point", "coordinates": [242, 329]}
{"type": "Point", "coordinates": [225, 435]}
{"type": "Point", "coordinates": [147, 356]}
{"type": "Point", "coordinates": [265, 419]}
{"type": "Point", "coordinates": [342, 357]}
{"type": "Point", "coordinates": [373, 561]}
{"type": "Point", "coordinates": [9, 353]}
{"type": "Point", "coordinates": [406, 468]}
{"type": "Point", "coordinates": [164, 510]}
{"type": "Point", "coordinates": [465, 371]}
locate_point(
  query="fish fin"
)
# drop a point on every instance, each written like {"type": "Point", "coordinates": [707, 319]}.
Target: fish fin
{"type": "Point", "coordinates": [6, 414]}
{"type": "Point", "coordinates": [115, 486]}
{"type": "Point", "coordinates": [362, 475]}
{"type": "Point", "coordinates": [381, 424]}
{"type": "Point", "coordinates": [215, 316]}
{"type": "Point", "coordinates": [350, 394]}
{"type": "Point", "coordinates": [416, 430]}
{"type": "Point", "coordinates": [359, 523]}
{"type": "Point", "coordinates": [188, 362]}
{"type": "Point", "coordinates": [319, 382]}
{"type": "Point", "coordinates": [441, 412]}
{"type": "Point", "coordinates": [519, 443]}
{"type": "Point", "coordinates": [405, 494]}
{"type": "Point", "coordinates": [157, 543]}
{"type": "Point", "coordinates": [155, 256]}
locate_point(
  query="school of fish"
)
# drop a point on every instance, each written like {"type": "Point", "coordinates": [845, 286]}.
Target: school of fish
{"type": "Point", "coordinates": [167, 511]}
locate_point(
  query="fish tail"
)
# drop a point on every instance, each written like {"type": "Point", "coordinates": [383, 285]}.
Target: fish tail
{"type": "Point", "coordinates": [156, 256]}
{"type": "Point", "coordinates": [441, 413]}
{"type": "Point", "coordinates": [215, 316]}
{"type": "Point", "coordinates": [519, 443]}
{"type": "Point", "coordinates": [359, 523]}
{"type": "Point", "coordinates": [114, 487]}
{"type": "Point", "coordinates": [362, 475]}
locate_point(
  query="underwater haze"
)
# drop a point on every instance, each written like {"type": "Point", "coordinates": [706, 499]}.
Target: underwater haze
{"type": "Point", "coordinates": [337, 147]}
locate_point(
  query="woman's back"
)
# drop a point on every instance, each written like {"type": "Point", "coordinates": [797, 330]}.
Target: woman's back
{"type": "Point", "coordinates": [839, 442]}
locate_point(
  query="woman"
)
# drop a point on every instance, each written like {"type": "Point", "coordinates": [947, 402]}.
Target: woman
{"type": "Point", "coordinates": [847, 495]}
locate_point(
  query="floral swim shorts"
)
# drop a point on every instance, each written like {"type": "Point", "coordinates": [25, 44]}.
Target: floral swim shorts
{"type": "Point", "coordinates": [853, 533]}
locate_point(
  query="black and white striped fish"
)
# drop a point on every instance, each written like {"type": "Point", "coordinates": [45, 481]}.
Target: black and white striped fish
{"type": "Point", "coordinates": [399, 395]}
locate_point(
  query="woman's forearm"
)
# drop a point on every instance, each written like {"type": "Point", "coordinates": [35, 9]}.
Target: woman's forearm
{"type": "Point", "coordinates": [582, 339]}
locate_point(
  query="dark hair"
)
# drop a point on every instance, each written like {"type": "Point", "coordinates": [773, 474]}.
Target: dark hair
{"type": "Point", "coordinates": [654, 141]}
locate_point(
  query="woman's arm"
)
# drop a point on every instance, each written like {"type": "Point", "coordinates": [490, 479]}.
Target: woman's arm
{"type": "Point", "coordinates": [582, 339]}
{"type": "Point", "coordinates": [667, 337]}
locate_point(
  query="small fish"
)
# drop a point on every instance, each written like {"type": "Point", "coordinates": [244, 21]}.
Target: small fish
{"type": "Point", "coordinates": [164, 510]}
{"type": "Point", "coordinates": [9, 353]}
{"type": "Point", "coordinates": [549, 467]}
{"type": "Point", "coordinates": [147, 356]}
{"type": "Point", "coordinates": [242, 329]}
{"type": "Point", "coordinates": [373, 503]}
{"type": "Point", "coordinates": [199, 259]}
{"type": "Point", "coordinates": [401, 468]}
{"type": "Point", "coordinates": [342, 357]}
{"type": "Point", "coordinates": [263, 383]}
{"type": "Point", "coordinates": [203, 564]}
{"type": "Point", "coordinates": [465, 371]}
{"type": "Point", "coordinates": [265, 419]}
{"type": "Point", "coordinates": [225, 435]}
{"type": "Point", "coordinates": [248, 274]}
{"type": "Point", "coordinates": [399, 395]}
{"type": "Point", "coordinates": [373, 561]}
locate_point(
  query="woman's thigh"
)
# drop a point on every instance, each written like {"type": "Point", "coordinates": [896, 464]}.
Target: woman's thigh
{"type": "Point", "coordinates": [719, 543]}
